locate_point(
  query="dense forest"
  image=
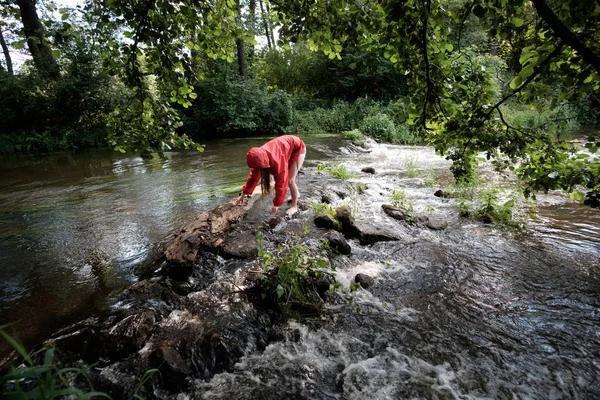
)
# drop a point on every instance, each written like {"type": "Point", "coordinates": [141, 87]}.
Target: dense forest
{"type": "Point", "coordinates": [510, 79]}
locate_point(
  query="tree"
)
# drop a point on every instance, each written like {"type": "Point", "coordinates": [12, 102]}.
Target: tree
{"type": "Point", "coordinates": [39, 48]}
{"type": "Point", "coordinates": [161, 37]}
{"type": "Point", "coordinates": [453, 101]}
{"type": "Point", "coordinates": [6, 52]}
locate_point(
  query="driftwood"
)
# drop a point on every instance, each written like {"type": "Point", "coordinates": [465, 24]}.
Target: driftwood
{"type": "Point", "coordinates": [207, 231]}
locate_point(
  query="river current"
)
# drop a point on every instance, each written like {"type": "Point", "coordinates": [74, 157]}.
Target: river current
{"type": "Point", "coordinates": [474, 311]}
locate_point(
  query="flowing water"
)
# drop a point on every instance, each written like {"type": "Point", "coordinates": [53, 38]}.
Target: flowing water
{"type": "Point", "coordinates": [473, 311]}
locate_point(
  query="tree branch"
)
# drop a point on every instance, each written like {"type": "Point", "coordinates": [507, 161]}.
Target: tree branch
{"type": "Point", "coordinates": [565, 34]}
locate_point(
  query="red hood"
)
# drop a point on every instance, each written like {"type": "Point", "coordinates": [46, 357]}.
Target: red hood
{"type": "Point", "coordinates": [257, 158]}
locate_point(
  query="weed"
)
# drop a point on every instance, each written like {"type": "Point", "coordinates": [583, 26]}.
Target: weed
{"type": "Point", "coordinates": [322, 208]}
{"type": "Point", "coordinates": [401, 200]}
{"type": "Point", "coordinates": [45, 381]}
{"type": "Point", "coordinates": [410, 166]}
{"type": "Point", "coordinates": [290, 278]}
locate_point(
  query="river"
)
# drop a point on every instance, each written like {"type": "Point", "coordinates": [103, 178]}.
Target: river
{"type": "Point", "coordinates": [471, 312]}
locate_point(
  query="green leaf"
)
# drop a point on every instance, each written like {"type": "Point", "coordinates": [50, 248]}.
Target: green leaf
{"type": "Point", "coordinates": [193, 95]}
{"type": "Point", "coordinates": [280, 291]}
{"type": "Point", "coordinates": [517, 22]}
{"type": "Point", "coordinates": [515, 83]}
{"type": "Point", "coordinates": [56, 53]}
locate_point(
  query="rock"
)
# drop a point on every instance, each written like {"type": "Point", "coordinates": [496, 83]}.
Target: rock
{"type": "Point", "coordinates": [443, 194]}
{"type": "Point", "coordinates": [341, 194]}
{"type": "Point", "coordinates": [322, 285]}
{"type": "Point", "coordinates": [337, 242]}
{"type": "Point", "coordinates": [80, 338]}
{"type": "Point", "coordinates": [169, 362]}
{"type": "Point", "coordinates": [344, 215]}
{"type": "Point", "coordinates": [436, 224]}
{"type": "Point", "coordinates": [403, 214]}
{"type": "Point", "coordinates": [398, 213]}
{"type": "Point", "coordinates": [327, 221]}
{"type": "Point", "coordinates": [368, 234]}
{"type": "Point", "coordinates": [368, 170]}
{"type": "Point", "coordinates": [486, 219]}
{"type": "Point", "coordinates": [326, 199]}
{"type": "Point", "coordinates": [241, 244]}
{"type": "Point", "coordinates": [131, 332]}
{"type": "Point", "coordinates": [364, 280]}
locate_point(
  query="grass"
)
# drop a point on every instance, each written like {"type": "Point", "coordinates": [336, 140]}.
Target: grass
{"type": "Point", "coordinates": [339, 171]}
{"type": "Point", "coordinates": [400, 199]}
{"type": "Point", "coordinates": [43, 381]}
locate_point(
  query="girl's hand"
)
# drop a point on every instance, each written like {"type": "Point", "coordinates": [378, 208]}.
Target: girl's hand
{"type": "Point", "coordinates": [241, 200]}
{"type": "Point", "coordinates": [274, 210]}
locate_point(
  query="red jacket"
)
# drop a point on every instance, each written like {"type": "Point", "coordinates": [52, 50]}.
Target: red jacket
{"type": "Point", "coordinates": [278, 154]}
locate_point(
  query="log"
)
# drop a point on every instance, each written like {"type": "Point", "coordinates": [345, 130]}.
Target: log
{"type": "Point", "coordinates": [207, 231]}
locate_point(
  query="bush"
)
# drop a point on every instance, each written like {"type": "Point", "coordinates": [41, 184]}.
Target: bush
{"type": "Point", "coordinates": [44, 115]}
{"type": "Point", "coordinates": [379, 126]}
{"type": "Point", "coordinates": [235, 106]}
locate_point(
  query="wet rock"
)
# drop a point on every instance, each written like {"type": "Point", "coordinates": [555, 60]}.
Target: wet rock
{"type": "Point", "coordinates": [364, 280]}
{"type": "Point", "coordinates": [326, 199]}
{"type": "Point", "coordinates": [327, 221]}
{"type": "Point", "coordinates": [368, 170]}
{"type": "Point", "coordinates": [341, 194]}
{"type": "Point", "coordinates": [322, 285]}
{"type": "Point", "coordinates": [344, 215]}
{"type": "Point", "coordinates": [170, 363]}
{"type": "Point", "coordinates": [242, 244]}
{"type": "Point", "coordinates": [443, 194]}
{"type": "Point", "coordinates": [337, 242]}
{"type": "Point", "coordinates": [486, 219]}
{"type": "Point", "coordinates": [368, 234]}
{"type": "Point", "coordinates": [403, 214]}
{"type": "Point", "coordinates": [436, 224]}
{"type": "Point", "coordinates": [80, 338]}
{"type": "Point", "coordinates": [398, 213]}
{"type": "Point", "coordinates": [130, 333]}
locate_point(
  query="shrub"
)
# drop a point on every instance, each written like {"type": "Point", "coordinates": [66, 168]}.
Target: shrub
{"type": "Point", "coordinates": [355, 135]}
{"type": "Point", "coordinates": [379, 126]}
{"type": "Point", "coordinates": [290, 277]}
{"type": "Point", "coordinates": [231, 105]}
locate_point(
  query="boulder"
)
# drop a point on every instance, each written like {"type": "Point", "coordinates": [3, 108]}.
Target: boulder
{"type": "Point", "coordinates": [327, 221]}
{"type": "Point", "coordinates": [368, 234]}
{"type": "Point", "coordinates": [344, 215]}
{"type": "Point", "coordinates": [436, 224]}
{"type": "Point", "coordinates": [337, 242]}
{"type": "Point", "coordinates": [443, 194]}
{"type": "Point", "coordinates": [403, 214]}
{"type": "Point", "coordinates": [368, 170]}
{"type": "Point", "coordinates": [364, 280]}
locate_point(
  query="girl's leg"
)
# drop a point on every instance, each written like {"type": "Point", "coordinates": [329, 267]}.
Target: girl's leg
{"type": "Point", "coordinates": [293, 171]}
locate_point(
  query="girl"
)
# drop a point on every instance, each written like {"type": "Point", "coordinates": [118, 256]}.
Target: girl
{"type": "Point", "coordinates": [281, 157]}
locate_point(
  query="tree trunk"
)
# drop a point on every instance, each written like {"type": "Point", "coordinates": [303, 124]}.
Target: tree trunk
{"type": "Point", "coordinates": [252, 26]}
{"type": "Point", "coordinates": [36, 41]}
{"type": "Point", "coordinates": [241, 51]}
{"type": "Point", "coordinates": [270, 27]}
{"type": "Point", "coordinates": [265, 24]}
{"type": "Point", "coordinates": [9, 65]}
